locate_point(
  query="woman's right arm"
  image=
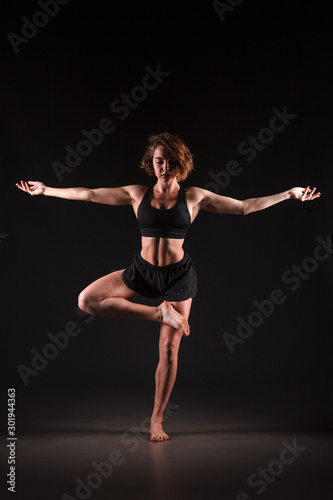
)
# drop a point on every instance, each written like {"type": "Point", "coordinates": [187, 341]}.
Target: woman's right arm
{"type": "Point", "coordinates": [35, 188]}
{"type": "Point", "coordinates": [110, 196]}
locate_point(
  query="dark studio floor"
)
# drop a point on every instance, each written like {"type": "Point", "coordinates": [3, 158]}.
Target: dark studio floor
{"type": "Point", "coordinates": [212, 453]}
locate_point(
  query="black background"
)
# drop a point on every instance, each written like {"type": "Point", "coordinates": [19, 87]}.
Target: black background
{"type": "Point", "coordinates": [224, 80]}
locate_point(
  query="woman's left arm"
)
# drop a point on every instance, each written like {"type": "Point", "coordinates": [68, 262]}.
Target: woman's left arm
{"type": "Point", "coordinates": [303, 194]}
{"type": "Point", "coordinates": [213, 202]}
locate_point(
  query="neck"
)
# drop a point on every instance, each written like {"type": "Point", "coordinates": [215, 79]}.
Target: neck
{"type": "Point", "coordinates": [168, 186]}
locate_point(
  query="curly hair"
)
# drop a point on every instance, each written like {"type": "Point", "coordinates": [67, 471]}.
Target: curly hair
{"type": "Point", "coordinates": [177, 148]}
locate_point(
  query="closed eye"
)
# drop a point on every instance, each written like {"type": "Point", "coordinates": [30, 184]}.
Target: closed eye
{"type": "Point", "coordinates": [170, 159]}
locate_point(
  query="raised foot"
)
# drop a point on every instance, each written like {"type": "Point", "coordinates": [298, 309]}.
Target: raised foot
{"type": "Point", "coordinates": [173, 318]}
{"type": "Point", "coordinates": [157, 433]}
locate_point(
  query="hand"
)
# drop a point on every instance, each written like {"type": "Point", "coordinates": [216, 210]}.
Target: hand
{"type": "Point", "coordinates": [304, 194]}
{"type": "Point", "coordinates": [32, 187]}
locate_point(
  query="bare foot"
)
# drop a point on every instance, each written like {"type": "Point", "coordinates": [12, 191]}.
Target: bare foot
{"type": "Point", "coordinates": [173, 318]}
{"type": "Point", "coordinates": [156, 432]}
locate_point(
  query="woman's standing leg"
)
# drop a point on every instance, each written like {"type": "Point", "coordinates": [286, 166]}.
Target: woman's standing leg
{"type": "Point", "coordinates": [166, 370]}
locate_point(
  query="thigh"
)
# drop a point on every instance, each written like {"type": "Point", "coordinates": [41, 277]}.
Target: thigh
{"type": "Point", "coordinates": [111, 285]}
{"type": "Point", "coordinates": [183, 307]}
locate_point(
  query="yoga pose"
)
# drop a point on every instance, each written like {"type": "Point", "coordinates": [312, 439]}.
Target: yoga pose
{"type": "Point", "coordinates": [162, 268]}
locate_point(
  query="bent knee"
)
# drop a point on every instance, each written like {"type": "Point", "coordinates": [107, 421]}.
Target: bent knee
{"type": "Point", "coordinates": [86, 302]}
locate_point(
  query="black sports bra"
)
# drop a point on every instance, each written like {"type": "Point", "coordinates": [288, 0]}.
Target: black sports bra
{"type": "Point", "coordinates": [164, 222]}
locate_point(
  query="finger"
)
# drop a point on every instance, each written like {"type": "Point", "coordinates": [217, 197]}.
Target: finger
{"type": "Point", "coordinates": [304, 193]}
{"type": "Point", "coordinates": [312, 194]}
{"type": "Point", "coordinates": [308, 196]}
{"type": "Point", "coordinates": [28, 188]}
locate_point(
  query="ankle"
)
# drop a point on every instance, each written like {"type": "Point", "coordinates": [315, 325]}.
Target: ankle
{"type": "Point", "coordinates": [156, 419]}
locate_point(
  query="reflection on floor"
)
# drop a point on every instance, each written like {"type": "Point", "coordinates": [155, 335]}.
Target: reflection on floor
{"type": "Point", "coordinates": [100, 449]}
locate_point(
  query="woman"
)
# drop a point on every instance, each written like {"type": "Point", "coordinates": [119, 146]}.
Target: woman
{"type": "Point", "coordinates": [162, 268]}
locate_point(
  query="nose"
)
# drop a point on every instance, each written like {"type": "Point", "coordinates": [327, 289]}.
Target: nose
{"type": "Point", "coordinates": [168, 164]}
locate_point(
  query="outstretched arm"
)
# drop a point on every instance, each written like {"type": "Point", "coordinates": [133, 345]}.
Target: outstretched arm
{"type": "Point", "coordinates": [35, 188]}
{"type": "Point", "coordinates": [224, 205]}
{"type": "Point", "coordinates": [302, 194]}
{"type": "Point", "coordinates": [110, 196]}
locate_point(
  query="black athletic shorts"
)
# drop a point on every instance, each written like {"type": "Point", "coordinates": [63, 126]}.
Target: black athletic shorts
{"type": "Point", "coordinates": [175, 282]}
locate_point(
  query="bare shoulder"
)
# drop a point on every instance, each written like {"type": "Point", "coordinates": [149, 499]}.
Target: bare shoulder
{"type": "Point", "coordinates": [195, 195]}
{"type": "Point", "coordinates": [136, 191]}
{"type": "Point", "coordinates": [194, 199]}
{"type": "Point", "coordinates": [203, 199]}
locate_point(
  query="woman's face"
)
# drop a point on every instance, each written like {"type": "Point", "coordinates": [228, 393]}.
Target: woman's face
{"type": "Point", "coordinates": [164, 163]}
